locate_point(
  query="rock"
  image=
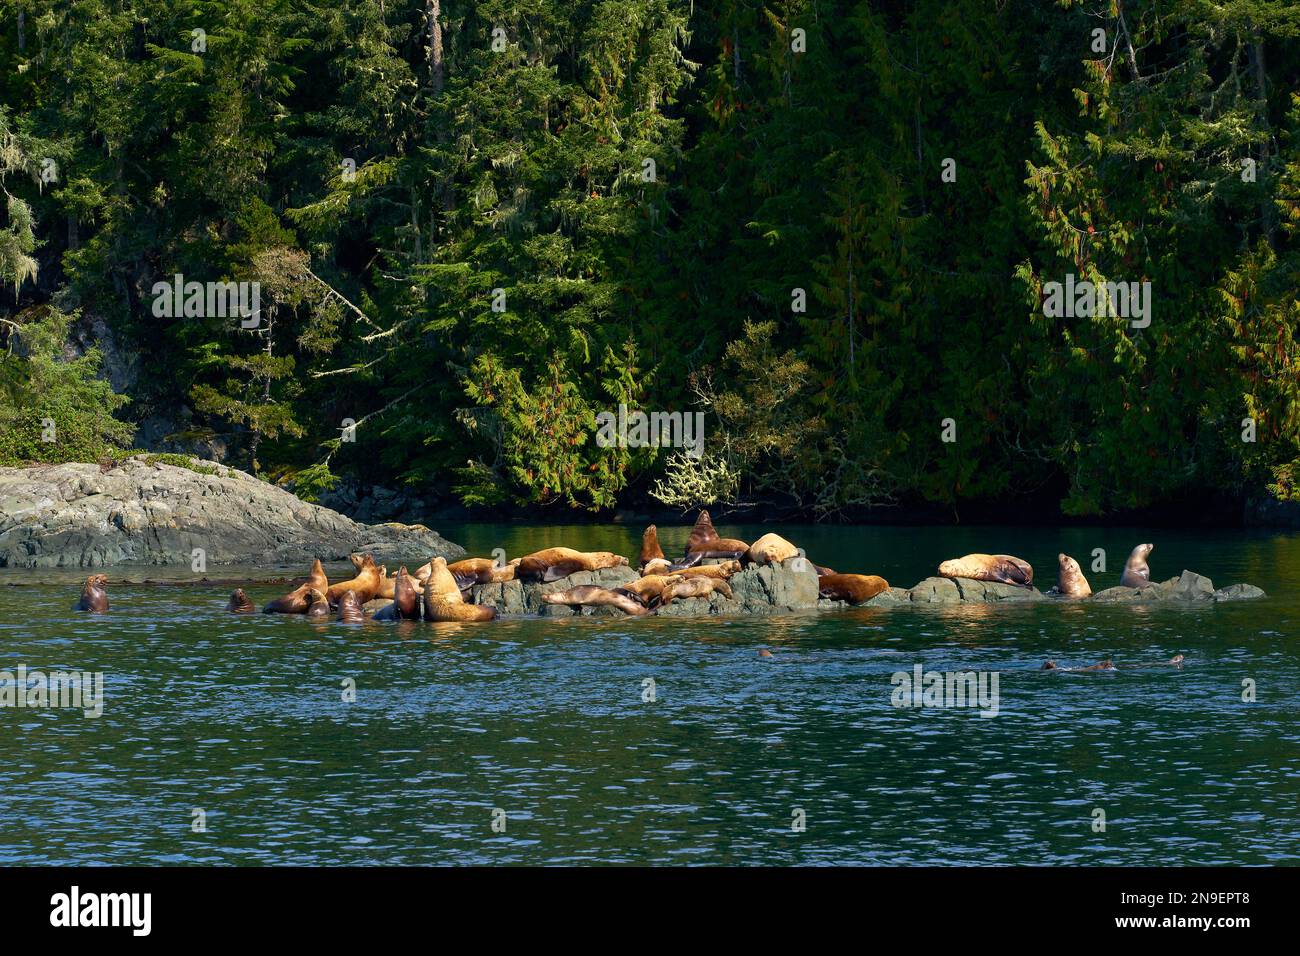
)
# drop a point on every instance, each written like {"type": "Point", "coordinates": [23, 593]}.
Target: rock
{"type": "Point", "coordinates": [1131, 595]}
{"type": "Point", "coordinates": [1238, 592]}
{"type": "Point", "coordinates": [890, 597]}
{"type": "Point", "coordinates": [144, 511]}
{"type": "Point", "coordinates": [962, 591]}
{"type": "Point", "coordinates": [1188, 586]}
{"type": "Point", "coordinates": [519, 597]}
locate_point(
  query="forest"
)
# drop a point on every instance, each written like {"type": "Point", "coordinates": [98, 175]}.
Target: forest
{"type": "Point", "coordinates": [830, 227]}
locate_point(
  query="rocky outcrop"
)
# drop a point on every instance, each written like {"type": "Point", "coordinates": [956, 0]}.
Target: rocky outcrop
{"type": "Point", "coordinates": [149, 512]}
{"type": "Point", "coordinates": [1188, 586]}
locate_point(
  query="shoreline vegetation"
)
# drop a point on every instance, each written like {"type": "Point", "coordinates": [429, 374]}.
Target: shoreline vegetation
{"type": "Point", "coordinates": [956, 261]}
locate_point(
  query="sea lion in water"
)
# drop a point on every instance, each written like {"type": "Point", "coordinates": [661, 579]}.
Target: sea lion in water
{"type": "Point", "coordinates": [1105, 665]}
{"type": "Point", "coordinates": [317, 604]}
{"type": "Point", "coordinates": [693, 587]}
{"type": "Point", "coordinates": [442, 599]}
{"type": "Point", "coordinates": [93, 596]}
{"type": "Point", "coordinates": [239, 603]}
{"type": "Point", "coordinates": [705, 543]}
{"type": "Point", "coordinates": [770, 549]}
{"type": "Point", "coordinates": [1002, 568]}
{"type": "Point", "coordinates": [296, 602]}
{"type": "Point", "coordinates": [350, 608]}
{"type": "Point", "coordinates": [1136, 572]}
{"type": "Point", "coordinates": [551, 564]}
{"type": "Point", "coordinates": [1175, 661]}
{"type": "Point", "coordinates": [854, 588]}
{"type": "Point", "coordinates": [406, 600]}
{"type": "Point", "coordinates": [365, 584]}
{"type": "Point", "coordinates": [591, 595]}
{"type": "Point", "coordinates": [1070, 581]}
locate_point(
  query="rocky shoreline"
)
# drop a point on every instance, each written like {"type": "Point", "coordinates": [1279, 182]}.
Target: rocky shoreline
{"type": "Point", "coordinates": [144, 511]}
{"type": "Point", "coordinates": [1187, 587]}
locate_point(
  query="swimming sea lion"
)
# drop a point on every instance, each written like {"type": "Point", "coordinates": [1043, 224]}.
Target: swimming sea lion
{"type": "Point", "coordinates": [650, 550]}
{"type": "Point", "coordinates": [350, 608]}
{"type": "Point", "coordinates": [1002, 568]}
{"type": "Point", "coordinates": [591, 595]}
{"type": "Point", "coordinates": [406, 600]}
{"type": "Point", "coordinates": [365, 584]}
{"type": "Point", "coordinates": [239, 603]}
{"type": "Point", "coordinates": [1175, 661]}
{"type": "Point", "coordinates": [693, 587]}
{"type": "Point", "coordinates": [723, 570]}
{"type": "Point", "coordinates": [770, 549]}
{"type": "Point", "coordinates": [296, 602]}
{"type": "Point", "coordinates": [442, 599]}
{"type": "Point", "coordinates": [1105, 665]}
{"type": "Point", "coordinates": [551, 564]}
{"type": "Point", "coordinates": [854, 588]}
{"type": "Point", "coordinates": [317, 604]}
{"type": "Point", "coordinates": [1070, 581]}
{"type": "Point", "coordinates": [93, 596]}
{"type": "Point", "coordinates": [1136, 572]}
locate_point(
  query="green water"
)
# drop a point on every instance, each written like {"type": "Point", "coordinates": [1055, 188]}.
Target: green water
{"type": "Point", "coordinates": [243, 718]}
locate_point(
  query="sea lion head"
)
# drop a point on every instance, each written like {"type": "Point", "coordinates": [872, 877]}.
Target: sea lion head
{"type": "Point", "coordinates": [97, 581]}
{"type": "Point", "coordinates": [1141, 552]}
{"type": "Point", "coordinates": [952, 568]}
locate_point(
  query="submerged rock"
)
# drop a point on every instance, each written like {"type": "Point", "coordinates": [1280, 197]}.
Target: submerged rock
{"type": "Point", "coordinates": [145, 511]}
{"type": "Point", "coordinates": [1238, 592]}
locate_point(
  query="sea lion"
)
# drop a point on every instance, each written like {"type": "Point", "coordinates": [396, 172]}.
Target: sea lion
{"type": "Point", "coordinates": [317, 604]}
{"type": "Point", "coordinates": [1175, 661]}
{"type": "Point", "coordinates": [239, 603]}
{"type": "Point", "coordinates": [705, 543]}
{"type": "Point", "coordinates": [442, 599]}
{"type": "Point", "coordinates": [723, 570]}
{"type": "Point", "coordinates": [1070, 581]}
{"type": "Point", "coordinates": [93, 596]}
{"type": "Point", "coordinates": [365, 584]}
{"type": "Point", "coordinates": [693, 587]}
{"type": "Point", "coordinates": [386, 584]}
{"type": "Point", "coordinates": [854, 588]}
{"type": "Point", "coordinates": [647, 588]}
{"type": "Point", "coordinates": [590, 595]}
{"type": "Point", "coordinates": [650, 550]}
{"type": "Point", "coordinates": [406, 600]}
{"type": "Point", "coordinates": [551, 564]}
{"type": "Point", "coordinates": [1105, 665]}
{"type": "Point", "coordinates": [1136, 572]}
{"type": "Point", "coordinates": [296, 602]}
{"type": "Point", "coordinates": [350, 608]}
{"type": "Point", "coordinates": [770, 549]}
{"type": "Point", "coordinates": [1002, 568]}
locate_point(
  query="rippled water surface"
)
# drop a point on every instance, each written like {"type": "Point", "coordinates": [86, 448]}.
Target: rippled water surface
{"type": "Point", "coordinates": [243, 717]}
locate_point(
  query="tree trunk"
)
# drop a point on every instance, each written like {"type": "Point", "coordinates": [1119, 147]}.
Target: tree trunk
{"type": "Point", "coordinates": [433, 10]}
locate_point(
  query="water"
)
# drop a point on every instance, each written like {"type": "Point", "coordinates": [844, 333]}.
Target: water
{"type": "Point", "coordinates": [242, 717]}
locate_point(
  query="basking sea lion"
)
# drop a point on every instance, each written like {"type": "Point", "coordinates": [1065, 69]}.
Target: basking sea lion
{"type": "Point", "coordinates": [647, 588]}
{"type": "Point", "coordinates": [693, 587]}
{"type": "Point", "coordinates": [365, 584]}
{"type": "Point", "coordinates": [442, 599]}
{"type": "Point", "coordinates": [854, 588]}
{"type": "Point", "coordinates": [472, 571]}
{"type": "Point", "coordinates": [317, 604]}
{"type": "Point", "coordinates": [296, 602]}
{"type": "Point", "coordinates": [770, 549]}
{"type": "Point", "coordinates": [350, 608]}
{"type": "Point", "coordinates": [386, 584]}
{"type": "Point", "coordinates": [723, 570]}
{"type": "Point", "coordinates": [591, 595]}
{"type": "Point", "coordinates": [406, 600]}
{"type": "Point", "coordinates": [1070, 581]}
{"type": "Point", "coordinates": [1002, 568]}
{"type": "Point", "coordinates": [650, 550]}
{"type": "Point", "coordinates": [239, 603]}
{"type": "Point", "coordinates": [93, 596]}
{"type": "Point", "coordinates": [1136, 572]}
{"type": "Point", "coordinates": [705, 543]}
{"type": "Point", "coordinates": [552, 564]}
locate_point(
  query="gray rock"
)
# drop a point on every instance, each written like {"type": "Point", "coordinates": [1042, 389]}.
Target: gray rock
{"type": "Point", "coordinates": [77, 515]}
{"type": "Point", "coordinates": [963, 591]}
{"type": "Point", "coordinates": [519, 597]}
{"type": "Point", "coordinates": [1238, 592]}
{"type": "Point", "coordinates": [890, 597]}
{"type": "Point", "coordinates": [1123, 595]}
{"type": "Point", "coordinates": [1188, 586]}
